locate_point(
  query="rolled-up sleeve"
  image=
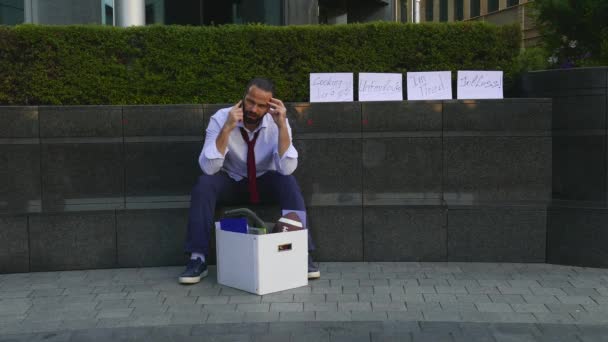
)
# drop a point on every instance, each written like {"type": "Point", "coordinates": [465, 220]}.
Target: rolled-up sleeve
{"type": "Point", "coordinates": [288, 163]}
{"type": "Point", "coordinates": [210, 159]}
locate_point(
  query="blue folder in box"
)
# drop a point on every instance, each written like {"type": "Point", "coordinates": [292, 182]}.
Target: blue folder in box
{"type": "Point", "coordinates": [236, 225]}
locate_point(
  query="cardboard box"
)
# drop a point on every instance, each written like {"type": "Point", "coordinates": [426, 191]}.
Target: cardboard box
{"type": "Point", "coordinates": [262, 264]}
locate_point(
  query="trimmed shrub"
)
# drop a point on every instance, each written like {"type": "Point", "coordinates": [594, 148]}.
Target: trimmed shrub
{"type": "Point", "coordinates": [67, 65]}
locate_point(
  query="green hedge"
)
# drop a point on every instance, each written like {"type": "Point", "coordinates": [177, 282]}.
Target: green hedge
{"type": "Point", "coordinates": [66, 65]}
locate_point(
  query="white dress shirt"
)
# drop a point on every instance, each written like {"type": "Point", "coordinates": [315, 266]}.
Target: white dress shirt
{"type": "Point", "coordinates": [234, 161]}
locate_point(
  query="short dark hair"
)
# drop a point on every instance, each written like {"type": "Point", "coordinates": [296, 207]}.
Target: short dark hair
{"type": "Point", "coordinates": [261, 83]}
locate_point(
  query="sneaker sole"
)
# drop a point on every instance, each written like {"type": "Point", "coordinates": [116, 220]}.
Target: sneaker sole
{"type": "Point", "coordinates": [314, 275]}
{"type": "Point", "coordinates": [192, 280]}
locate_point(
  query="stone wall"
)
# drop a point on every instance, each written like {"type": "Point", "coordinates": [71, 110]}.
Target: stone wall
{"type": "Point", "coordinates": [108, 186]}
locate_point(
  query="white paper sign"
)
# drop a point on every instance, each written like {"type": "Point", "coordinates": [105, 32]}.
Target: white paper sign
{"type": "Point", "coordinates": [480, 85]}
{"type": "Point", "coordinates": [331, 87]}
{"type": "Point", "coordinates": [431, 85]}
{"type": "Point", "coordinates": [380, 87]}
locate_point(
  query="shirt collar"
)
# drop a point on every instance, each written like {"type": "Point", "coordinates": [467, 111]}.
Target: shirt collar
{"type": "Point", "coordinates": [263, 124]}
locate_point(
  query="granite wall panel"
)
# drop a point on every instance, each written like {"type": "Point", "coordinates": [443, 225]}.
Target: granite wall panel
{"type": "Point", "coordinates": [82, 175]}
{"type": "Point", "coordinates": [72, 241]}
{"type": "Point", "coordinates": [497, 235]}
{"type": "Point", "coordinates": [151, 237]}
{"type": "Point", "coordinates": [401, 233]}
{"type": "Point", "coordinates": [14, 246]}
{"type": "Point", "coordinates": [577, 236]}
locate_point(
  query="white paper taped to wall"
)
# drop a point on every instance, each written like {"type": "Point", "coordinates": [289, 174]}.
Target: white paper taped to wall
{"type": "Point", "coordinates": [380, 87]}
{"type": "Point", "coordinates": [331, 87]}
{"type": "Point", "coordinates": [479, 85]}
{"type": "Point", "coordinates": [429, 85]}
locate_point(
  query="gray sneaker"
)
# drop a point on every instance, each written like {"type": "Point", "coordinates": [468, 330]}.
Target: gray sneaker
{"type": "Point", "coordinates": [313, 270]}
{"type": "Point", "coordinates": [195, 270]}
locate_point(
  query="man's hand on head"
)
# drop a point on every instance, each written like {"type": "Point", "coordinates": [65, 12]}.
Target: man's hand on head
{"type": "Point", "coordinates": [278, 111]}
{"type": "Point", "coordinates": [234, 116]}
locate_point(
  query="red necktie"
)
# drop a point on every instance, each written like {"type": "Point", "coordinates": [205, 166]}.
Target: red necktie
{"type": "Point", "coordinates": [254, 197]}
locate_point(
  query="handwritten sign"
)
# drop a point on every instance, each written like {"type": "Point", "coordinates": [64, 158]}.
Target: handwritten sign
{"type": "Point", "coordinates": [432, 85]}
{"type": "Point", "coordinates": [380, 87]}
{"type": "Point", "coordinates": [480, 85]}
{"type": "Point", "coordinates": [331, 87]}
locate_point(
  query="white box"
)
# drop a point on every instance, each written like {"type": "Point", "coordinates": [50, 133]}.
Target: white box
{"type": "Point", "coordinates": [262, 264]}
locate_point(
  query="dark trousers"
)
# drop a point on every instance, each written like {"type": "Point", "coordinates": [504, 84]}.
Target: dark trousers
{"type": "Point", "coordinates": [219, 188]}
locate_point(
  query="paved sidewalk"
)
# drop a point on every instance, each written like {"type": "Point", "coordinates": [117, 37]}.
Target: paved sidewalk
{"type": "Point", "coordinates": [351, 302]}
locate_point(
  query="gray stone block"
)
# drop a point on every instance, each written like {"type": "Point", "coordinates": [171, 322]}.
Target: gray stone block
{"type": "Point", "coordinates": [329, 118]}
{"type": "Point", "coordinates": [402, 116]}
{"type": "Point", "coordinates": [577, 237]}
{"type": "Point", "coordinates": [402, 168]}
{"type": "Point", "coordinates": [577, 174]}
{"type": "Point", "coordinates": [161, 171]}
{"type": "Point", "coordinates": [497, 169]}
{"type": "Point", "coordinates": [80, 121]}
{"type": "Point", "coordinates": [337, 232]}
{"type": "Point", "coordinates": [18, 122]}
{"type": "Point", "coordinates": [582, 112]}
{"type": "Point", "coordinates": [501, 116]}
{"type": "Point", "coordinates": [394, 233]}
{"type": "Point", "coordinates": [151, 237]}
{"type": "Point", "coordinates": [497, 235]}
{"type": "Point", "coordinates": [72, 241]}
{"type": "Point", "coordinates": [14, 249]}
{"type": "Point", "coordinates": [329, 171]}
{"type": "Point", "coordinates": [19, 178]}
{"type": "Point", "coordinates": [164, 120]}
{"type": "Point", "coordinates": [87, 176]}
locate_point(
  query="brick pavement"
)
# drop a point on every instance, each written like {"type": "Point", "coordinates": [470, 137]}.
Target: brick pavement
{"type": "Point", "coordinates": [446, 298]}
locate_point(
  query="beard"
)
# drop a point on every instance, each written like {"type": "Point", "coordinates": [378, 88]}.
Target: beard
{"type": "Point", "coordinates": [251, 119]}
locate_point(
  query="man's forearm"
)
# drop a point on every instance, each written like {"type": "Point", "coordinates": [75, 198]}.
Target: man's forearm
{"type": "Point", "coordinates": [284, 140]}
{"type": "Point", "coordinates": [221, 142]}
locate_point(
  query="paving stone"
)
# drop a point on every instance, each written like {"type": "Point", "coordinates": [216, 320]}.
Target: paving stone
{"type": "Point", "coordinates": [391, 306]}
{"type": "Point", "coordinates": [374, 297]}
{"type": "Point", "coordinates": [554, 317]}
{"type": "Point", "coordinates": [482, 289]}
{"type": "Point", "coordinates": [494, 307]}
{"type": "Point", "coordinates": [278, 298]}
{"type": "Point", "coordinates": [369, 315]}
{"type": "Point", "coordinates": [225, 317]}
{"type": "Point", "coordinates": [115, 313]}
{"type": "Point", "coordinates": [529, 308]}
{"type": "Point", "coordinates": [576, 300]}
{"type": "Point", "coordinates": [442, 316]}
{"type": "Point", "coordinates": [446, 298]}
{"type": "Point", "coordinates": [405, 315]}
{"type": "Point", "coordinates": [265, 307]}
{"type": "Point", "coordinates": [261, 317]}
{"type": "Point", "coordinates": [354, 306]}
{"type": "Point", "coordinates": [286, 307]}
{"type": "Point", "coordinates": [435, 306]}
{"type": "Point", "coordinates": [219, 307]}
{"type": "Point", "coordinates": [329, 306]}
{"type": "Point", "coordinates": [296, 316]}
{"type": "Point", "coordinates": [309, 298]}
{"type": "Point", "coordinates": [356, 289]}
{"type": "Point", "coordinates": [531, 299]}
{"type": "Point", "coordinates": [212, 300]}
{"type": "Point", "coordinates": [458, 307]}
{"type": "Point", "coordinates": [514, 290]}
{"type": "Point", "coordinates": [331, 297]}
{"type": "Point", "coordinates": [185, 309]}
{"type": "Point", "coordinates": [114, 304]}
{"type": "Point", "coordinates": [332, 316]}
{"type": "Point", "coordinates": [245, 299]}
{"type": "Point", "coordinates": [451, 290]}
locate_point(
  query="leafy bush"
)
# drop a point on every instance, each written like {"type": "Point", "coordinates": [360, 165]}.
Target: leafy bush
{"type": "Point", "coordinates": [175, 64]}
{"type": "Point", "coordinates": [573, 30]}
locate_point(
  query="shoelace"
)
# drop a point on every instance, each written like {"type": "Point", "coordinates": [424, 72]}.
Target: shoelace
{"type": "Point", "coordinates": [193, 262]}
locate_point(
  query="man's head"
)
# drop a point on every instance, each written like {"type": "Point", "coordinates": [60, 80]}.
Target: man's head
{"type": "Point", "coordinates": [258, 93]}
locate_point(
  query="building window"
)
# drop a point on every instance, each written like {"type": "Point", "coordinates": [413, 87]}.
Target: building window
{"type": "Point", "coordinates": [459, 9]}
{"type": "Point", "coordinates": [443, 10]}
{"type": "Point", "coordinates": [428, 13]}
{"type": "Point", "coordinates": [475, 8]}
{"type": "Point", "coordinates": [492, 6]}
{"type": "Point", "coordinates": [11, 12]}
{"type": "Point", "coordinates": [403, 11]}
{"type": "Point", "coordinates": [512, 3]}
